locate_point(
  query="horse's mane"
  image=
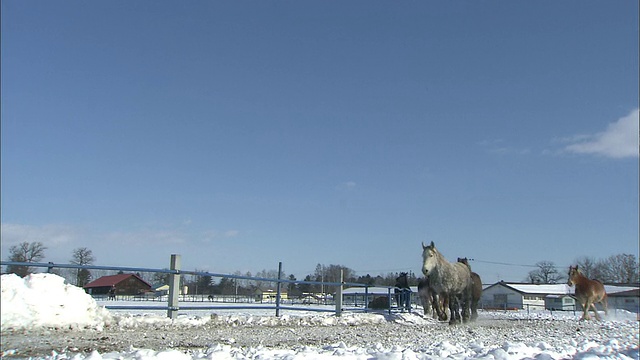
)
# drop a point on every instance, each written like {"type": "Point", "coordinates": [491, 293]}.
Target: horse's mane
{"type": "Point", "coordinates": [465, 261]}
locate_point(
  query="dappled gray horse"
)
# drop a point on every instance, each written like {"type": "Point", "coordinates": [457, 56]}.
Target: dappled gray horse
{"type": "Point", "coordinates": [452, 280]}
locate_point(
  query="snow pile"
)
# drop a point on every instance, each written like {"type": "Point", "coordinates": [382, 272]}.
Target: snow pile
{"type": "Point", "coordinates": [44, 300]}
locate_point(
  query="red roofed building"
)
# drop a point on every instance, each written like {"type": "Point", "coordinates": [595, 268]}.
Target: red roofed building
{"type": "Point", "coordinates": [124, 284]}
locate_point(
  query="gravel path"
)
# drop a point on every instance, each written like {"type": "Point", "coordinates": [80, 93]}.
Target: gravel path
{"type": "Point", "coordinates": [418, 336]}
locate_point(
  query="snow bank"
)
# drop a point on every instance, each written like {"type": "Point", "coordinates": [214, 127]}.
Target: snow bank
{"type": "Point", "coordinates": [44, 300]}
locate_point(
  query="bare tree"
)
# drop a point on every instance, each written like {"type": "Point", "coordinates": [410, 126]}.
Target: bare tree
{"type": "Point", "coordinates": [546, 273]}
{"type": "Point", "coordinates": [588, 267]}
{"type": "Point", "coordinates": [267, 274]}
{"type": "Point", "coordinates": [621, 268]}
{"type": "Point", "coordinates": [82, 256]}
{"type": "Point", "coordinates": [25, 252]}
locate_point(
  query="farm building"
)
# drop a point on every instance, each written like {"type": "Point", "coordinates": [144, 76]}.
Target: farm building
{"type": "Point", "coordinates": [559, 302]}
{"type": "Point", "coordinates": [624, 297]}
{"type": "Point", "coordinates": [502, 295]}
{"type": "Point", "coordinates": [124, 284]}
{"type": "Point", "coordinates": [161, 289]}
{"type": "Point", "coordinates": [269, 295]}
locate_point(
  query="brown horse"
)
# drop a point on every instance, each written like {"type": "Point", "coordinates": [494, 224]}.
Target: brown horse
{"type": "Point", "coordinates": [476, 290]}
{"type": "Point", "coordinates": [588, 292]}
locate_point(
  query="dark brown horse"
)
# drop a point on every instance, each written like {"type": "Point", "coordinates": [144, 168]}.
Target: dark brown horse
{"type": "Point", "coordinates": [402, 292]}
{"type": "Point", "coordinates": [476, 290]}
{"type": "Point", "coordinates": [588, 292]}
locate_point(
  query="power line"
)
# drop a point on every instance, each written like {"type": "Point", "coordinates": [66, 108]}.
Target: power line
{"type": "Point", "coordinates": [503, 263]}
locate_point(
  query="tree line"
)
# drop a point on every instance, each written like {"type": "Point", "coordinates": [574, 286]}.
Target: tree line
{"type": "Point", "coordinates": [621, 269]}
{"type": "Point", "coordinates": [322, 275]}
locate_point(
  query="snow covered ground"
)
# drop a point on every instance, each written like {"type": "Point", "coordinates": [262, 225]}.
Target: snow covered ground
{"type": "Point", "coordinates": [43, 318]}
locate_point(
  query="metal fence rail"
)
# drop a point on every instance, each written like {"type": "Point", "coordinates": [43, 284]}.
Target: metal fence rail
{"type": "Point", "coordinates": [176, 272]}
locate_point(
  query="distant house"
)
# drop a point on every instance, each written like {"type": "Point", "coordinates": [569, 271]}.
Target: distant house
{"type": "Point", "coordinates": [124, 284]}
{"type": "Point", "coordinates": [269, 295]}
{"type": "Point", "coordinates": [161, 289]}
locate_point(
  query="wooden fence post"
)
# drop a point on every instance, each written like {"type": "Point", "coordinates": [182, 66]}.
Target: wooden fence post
{"type": "Point", "coordinates": [338, 298]}
{"type": "Point", "coordinates": [174, 287]}
{"type": "Point", "coordinates": [278, 289]}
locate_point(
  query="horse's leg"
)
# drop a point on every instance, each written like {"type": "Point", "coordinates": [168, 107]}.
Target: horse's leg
{"type": "Point", "coordinates": [595, 311]}
{"type": "Point", "coordinates": [437, 305]}
{"type": "Point", "coordinates": [466, 304]}
{"type": "Point", "coordinates": [426, 305]}
{"type": "Point", "coordinates": [454, 317]}
{"type": "Point", "coordinates": [445, 307]}
{"type": "Point", "coordinates": [605, 305]}
{"type": "Point", "coordinates": [459, 305]}
{"type": "Point", "coordinates": [585, 308]}
{"type": "Point", "coordinates": [436, 309]}
{"type": "Point", "coordinates": [474, 309]}
{"type": "Point", "coordinates": [594, 301]}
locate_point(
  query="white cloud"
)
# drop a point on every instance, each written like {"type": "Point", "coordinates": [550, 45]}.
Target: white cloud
{"type": "Point", "coordinates": [619, 140]}
{"type": "Point", "coordinates": [349, 185]}
{"type": "Point", "coordinates": [148, 237]}
{"type": "Point", "coordinates": [231, 233]}
{"type": "Point", "coordinates": [213, 235]}
{"type": "Point", "coordinates": [499, 146]}
{"type": "Point", "coordinates": [49, 235]}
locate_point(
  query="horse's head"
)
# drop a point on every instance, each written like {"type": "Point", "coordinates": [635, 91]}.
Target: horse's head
{"type": "Point", "coordinates": [573, 274]}
{"type": "Point", "coordinates": [429, 258]}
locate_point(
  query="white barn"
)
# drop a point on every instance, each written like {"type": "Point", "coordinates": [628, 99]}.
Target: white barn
{"type": "Point", "coordinates": [502, 295]}
{"type": "Point", "coordinates": [623, 297]}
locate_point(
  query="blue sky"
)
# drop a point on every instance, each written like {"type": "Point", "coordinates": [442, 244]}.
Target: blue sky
{"type": "Point", "coordinates": [240, 134]}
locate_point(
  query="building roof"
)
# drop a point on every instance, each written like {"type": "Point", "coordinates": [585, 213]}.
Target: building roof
{"type": "Point", "coordinates": [112, 280]}
{"type": "Point", "coordinates": [616, 290]}
{"type": "Point", "coordinates": [539, 289]}
{"type": "Point", "coordinates": [160, 287]}
{"type": "Point", "coordinates": [542, 289]}
{"type": "Point", "coordinates": [560, 289]}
